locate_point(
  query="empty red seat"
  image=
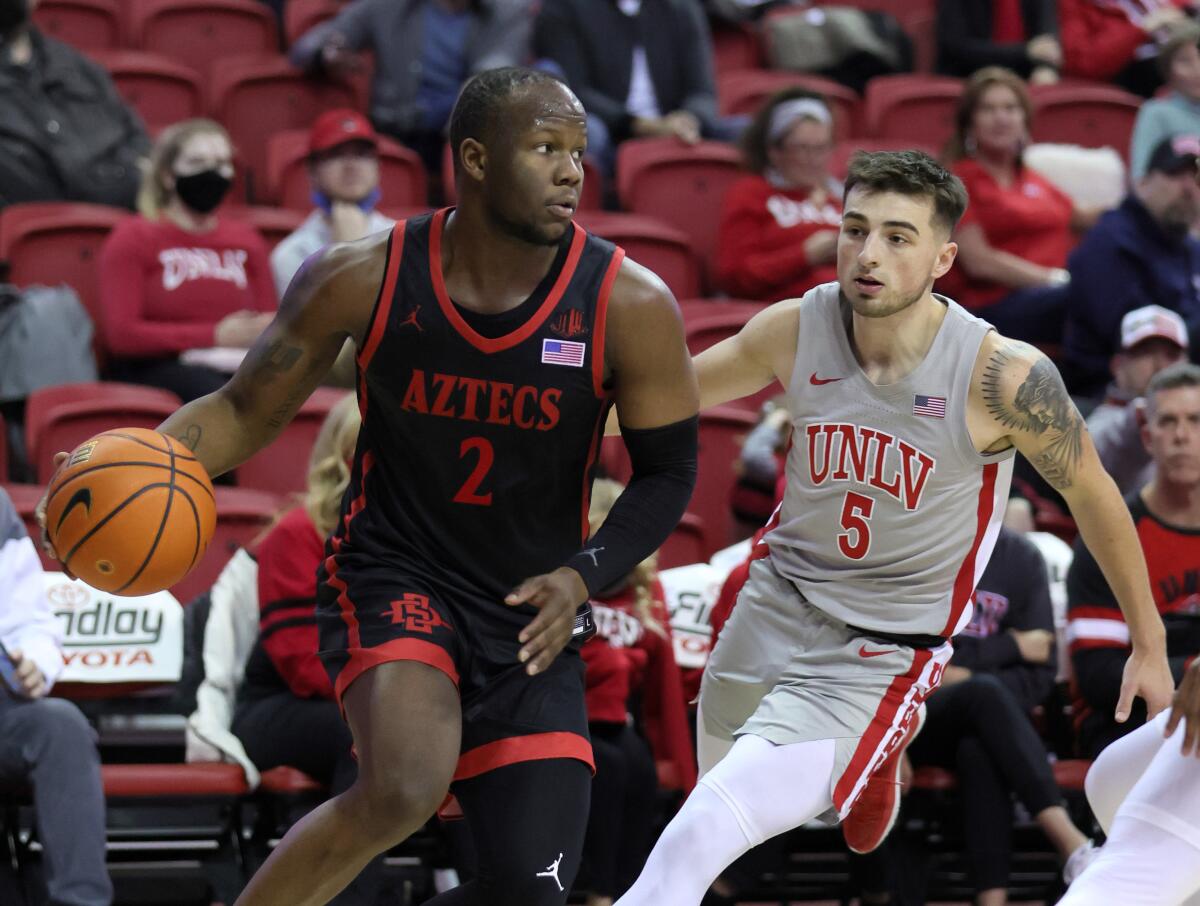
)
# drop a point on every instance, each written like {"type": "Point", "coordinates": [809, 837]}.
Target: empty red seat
{"type": "Point", "coordinates": [273, 224]}
{"type": "Point", "coordinates": [282, 467]}
{"type": "Point", "coordinates": [161, 90]}
{"type": "Point", "coordinates": [746, 91]}
{"type": "Point", "coordinates": [843, 151]}
{"type": "Point", "coordinates": [84, 24]}
{"type": "Point", "coordinates": [911, 107]}
{"type": "Point", "coordinates": [301, 15]}
{"type": "Point", "coordinates": [651, 243]}
{"type": "Point", "coordinates": [242, 515]}
{"type": "Point", "coordinates": [590, 199]}
{"type": "Point", "coordinates": [199, 32]}
{"type": "Point", "coordinates": [688, 543]}
{"type": "Point", "coordinates": [401, 172]}
{"type": "Point", "coordinates": [693, 309]}
{"type": "Point", "coordinates": [722, 430]}
{"type": "Point", "coordinates": [682, 185]}
{"type": "Point", "coordinates": [59, 418]}
{"type": "Point", "coordinates": [197, 780]}
{"type": "Point", "coordinates": [735, 47]}
{"type": "Point", "coordinates": [259, 96]}
{"type": "Point", "coordinates": [1094, 116]}
{"type": "Point", "coordinates": [57, 242]}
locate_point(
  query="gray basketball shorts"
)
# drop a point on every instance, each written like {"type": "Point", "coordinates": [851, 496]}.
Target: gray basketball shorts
{"type": "Point", "coordinates": [785, 671]}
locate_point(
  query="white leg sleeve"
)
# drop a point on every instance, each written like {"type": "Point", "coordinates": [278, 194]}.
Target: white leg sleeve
{"type": "Point", "coordinates": [1140, 865]}
{"type": "Point", "coordinates": [1119, 768]}
{"type": "Point", "coordinates": [757, 791]}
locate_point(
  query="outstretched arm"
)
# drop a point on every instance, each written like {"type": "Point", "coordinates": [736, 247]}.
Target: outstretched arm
{"type": "Point", "coordinates": [330, 299]}
{"type": "Point", "coordinates": [1020, 394]}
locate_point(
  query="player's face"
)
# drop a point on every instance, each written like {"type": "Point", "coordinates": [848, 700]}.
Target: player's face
{"type": "Point", "coordinates": [889, 251]}
{"type": "Point", "coordinates": [535, 176]}
{"type": "Point", "coordinates": [1172, 435]}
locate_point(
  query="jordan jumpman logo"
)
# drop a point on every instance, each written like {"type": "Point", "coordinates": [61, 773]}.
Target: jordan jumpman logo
{"type": "Point", "coordinates": [552, 871]}
{"type": "Point", "coordinates": [412, 319]}
{"type": "Point", "coordinates": [591, 552]}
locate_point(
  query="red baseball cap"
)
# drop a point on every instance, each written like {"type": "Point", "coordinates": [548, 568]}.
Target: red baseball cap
{"type": "Point", "coordinates": [336, 127]}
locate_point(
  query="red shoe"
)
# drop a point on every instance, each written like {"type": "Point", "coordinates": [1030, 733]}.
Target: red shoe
{"type": "Point", "coordinates": [871, 818]}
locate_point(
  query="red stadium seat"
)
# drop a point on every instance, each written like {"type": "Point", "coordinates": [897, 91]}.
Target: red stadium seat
{"type": "Point", "coordinates": [688, 543]}
{"type": "Point", "coordinates": [282, 467]}
{"type": "Point", "coordinates": [58, 419]}
{"type": "Point", "coordinates": [84, 24]}
{"type": "Point", "coordinates": [745, 91]}
{"type": "Point", "coordinates": [694, 309]}
{"type": "Point", "coordinates": [651, 243]}
{"type": "Point", "coordinates": [260, 96]}
{"type": "Point", "coordinates": [197, 33]}
{"type": "Point", "coordinates": [401, 173]}
{"type": "Point", "coordinates": [917, 108]}
{"type": "Point", "coordinates": [199, 780]}
{"type": "Point", "coordinates": [273, 224]}
{"type": "Point", "coordinates": [242, 515]}
{"type": "Point", "coordinates": [1094, 116]}
{"type": "Point", "coordinates": [680, 184]}
{"type": "Point", "coordinates": [162, 91]}
{"type": "Point", "coordinates": [843, 151]}
{"type": "Point", "coordinates": [301, 15]}
{"type": "Point", "coordinates": [57, 242]}
{"type": "Point", "coordinates": [722, 430]}
{"type": "Point", "coordinates": [288, 781]}
{"type": "Point", "coordinates": [735, 47]}
{"type": "Point", "coordinates": [590, 199]}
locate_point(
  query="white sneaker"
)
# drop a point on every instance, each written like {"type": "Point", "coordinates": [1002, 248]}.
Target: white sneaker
{"type": "Point", "coordinates": [1085, 854]}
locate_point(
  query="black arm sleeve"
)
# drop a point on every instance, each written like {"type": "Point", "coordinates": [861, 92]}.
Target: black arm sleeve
{"type": "Point", "coordinates": [664, 473]}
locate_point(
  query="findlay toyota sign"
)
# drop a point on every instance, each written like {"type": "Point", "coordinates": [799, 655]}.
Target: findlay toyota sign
{"type": "Point", "coordinates": [108, 639]}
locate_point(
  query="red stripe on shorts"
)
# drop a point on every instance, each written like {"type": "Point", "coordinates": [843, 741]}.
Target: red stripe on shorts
{"type": "Point", "coordinates": [515, 749]}
{"type": "Point", "coordinates": [363, 659]}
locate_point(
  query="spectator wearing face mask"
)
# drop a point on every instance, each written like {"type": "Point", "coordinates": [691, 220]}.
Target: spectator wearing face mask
{"type": "Point", "coordinates": [178, 277]}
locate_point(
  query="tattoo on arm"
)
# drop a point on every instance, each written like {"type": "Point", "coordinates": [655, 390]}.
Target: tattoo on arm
{"type": "Point", "coordinates": [279, 359]}
{"type": "Point", "coordinates": [190, 437]}
{"type": "Point", "coordinates": [1041, 406]}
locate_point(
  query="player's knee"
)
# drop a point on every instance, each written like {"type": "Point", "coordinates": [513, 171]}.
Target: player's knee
{"type": "Point", "coordinates": [396, 805]}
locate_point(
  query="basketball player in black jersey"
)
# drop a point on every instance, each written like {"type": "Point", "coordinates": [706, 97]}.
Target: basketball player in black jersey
{"type": "Point", "coordinates": [491, 341]}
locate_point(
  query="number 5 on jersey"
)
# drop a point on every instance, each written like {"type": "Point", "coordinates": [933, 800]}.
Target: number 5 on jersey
{"type": "Point", "coordinates": [855, 541]}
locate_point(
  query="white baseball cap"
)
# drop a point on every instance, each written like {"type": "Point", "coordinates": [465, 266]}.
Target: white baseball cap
{"type": "Point", "coordinates": [1152, 321]}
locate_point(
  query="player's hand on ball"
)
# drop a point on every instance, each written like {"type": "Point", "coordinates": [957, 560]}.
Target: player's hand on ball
{"type": "Point", "coordinates": [1186, 707]}
{"type": "Point", "coordinates": [1149, 676]}
{"type": "Point", "coordinates": [557, 595]}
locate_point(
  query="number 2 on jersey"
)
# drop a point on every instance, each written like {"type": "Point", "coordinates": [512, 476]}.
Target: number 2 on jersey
{"type": "Point", "coordinates": [856, 515]}
{"type": "Point", "coordinates": [469, 492]}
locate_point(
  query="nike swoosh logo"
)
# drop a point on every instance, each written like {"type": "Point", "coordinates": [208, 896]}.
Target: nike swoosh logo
{"type": "Point", "coordinates": [82, 496]}
{"type": "Point", "coordinates": [864, 652]}
{"type": "Point", "coordinates": [818, 381]}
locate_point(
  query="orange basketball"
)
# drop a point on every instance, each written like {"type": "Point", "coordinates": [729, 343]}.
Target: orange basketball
{"type": "Point", "coordinates": [131, 511]}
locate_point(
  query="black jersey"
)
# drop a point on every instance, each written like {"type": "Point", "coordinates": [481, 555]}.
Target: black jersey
{"type": "Point", "coordinates": [476, 455]}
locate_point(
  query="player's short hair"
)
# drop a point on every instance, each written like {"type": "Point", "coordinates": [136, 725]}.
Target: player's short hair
{"type": "Point", "coordinates": [912, 173]}
{"type": "Point", "coordinates": [479, 110]}
{"type": "Point", "coordinates": [1173, 377]}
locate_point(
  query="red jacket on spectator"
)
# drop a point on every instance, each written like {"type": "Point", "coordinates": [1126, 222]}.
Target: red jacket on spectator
{"type": "Point", "coordinates": [760, 253]}
{"type": "Point", "coordinates": [1098, 38]}
{"type": "Point", "coordinates": [163, 289]}
{"type": "Point", "coordinates": [624, 656]}
{"type": "Point", "coordinates": [287, 578]}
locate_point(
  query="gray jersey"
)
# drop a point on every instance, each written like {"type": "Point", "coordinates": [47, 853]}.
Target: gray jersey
{"type": "Point", "coordinates": [890, 513]}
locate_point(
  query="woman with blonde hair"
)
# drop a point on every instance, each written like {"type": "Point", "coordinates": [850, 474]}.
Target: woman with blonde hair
{"type": "Point", "coordinates": [636, 716]}
{"type": "Point", "coordinates": [178, 277]}
{"type": "Point", "coordinates": [286, 713]}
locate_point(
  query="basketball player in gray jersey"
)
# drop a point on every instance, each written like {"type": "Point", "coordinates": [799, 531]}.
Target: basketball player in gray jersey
{"type": "Point", "coordinates": [907, 411]}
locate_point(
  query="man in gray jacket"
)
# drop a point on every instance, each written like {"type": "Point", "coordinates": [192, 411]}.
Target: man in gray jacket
{"type": "Point", "coordinates": [424, 51]}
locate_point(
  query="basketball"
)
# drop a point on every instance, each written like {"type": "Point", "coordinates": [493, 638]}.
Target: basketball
{"type": "Point", "coordinates": [131, 511]}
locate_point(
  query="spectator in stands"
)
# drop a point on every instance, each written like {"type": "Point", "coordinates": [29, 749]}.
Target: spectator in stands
{"type": "Point", "coordinates": [179, 278]}
{"type": "Point", "coordinates": [779, 227]}
{"type": "Point", "coordinates": [1014, 240]}
{"type": "Point", "coordinates": [636, 714]}
{"type": "Point", "coordinates": [1178, 113]}
{"type": "Point", "coordinates": [1139, 254]}
{"type": "Point", "coordinates": [977, 723]}
{"type": "Point", "coordinates": [1152, 338]}
{"type": "Point", "coordinates": [424, 51]}
{"type": "Point", "coordinates": [1021, 35]}
{"type": "Point", "coordinates": [1112, 41]}
{"type": "Point", "coordinates": [286, 713]}
{"type": "Point", "coordinates": [642, 68]}
{"type": "Point", "coordinates": [1167, 515]}
{"type": "Point", "coordinates": [343, 164]}
{"type": "Point", "coordinates": [46, 742]}
{"type": "Point", "coordinates": [66, 135]}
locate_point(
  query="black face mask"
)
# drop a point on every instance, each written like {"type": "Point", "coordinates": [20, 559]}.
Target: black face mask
{"type": "Point", "coordinates": [202, 191]}
{"type": "Point", "coordinates": [13, 15]}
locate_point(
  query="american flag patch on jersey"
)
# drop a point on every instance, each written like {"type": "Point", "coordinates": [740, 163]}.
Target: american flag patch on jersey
{"type": "Point", "coordinates": [563, 352]}
{"type": "Point", "coordinates": [933, 406]}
